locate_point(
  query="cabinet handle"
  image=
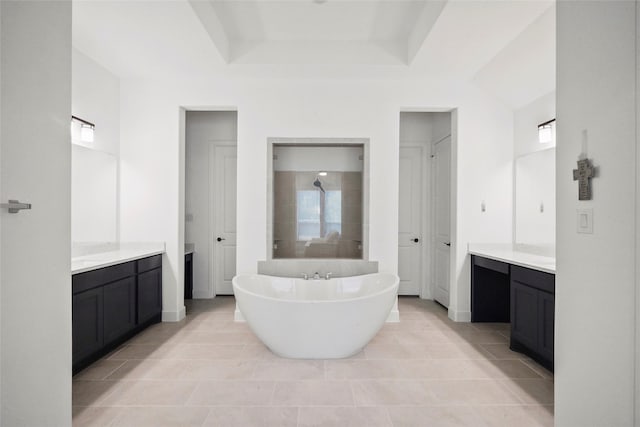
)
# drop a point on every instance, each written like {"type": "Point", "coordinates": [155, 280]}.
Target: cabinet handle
{"type": "Point", "coordinates": [415, 240]}
{"type": "Point", "coordinates": [220, 239]}
{"type": "Point", "coordinates": [448, 244]}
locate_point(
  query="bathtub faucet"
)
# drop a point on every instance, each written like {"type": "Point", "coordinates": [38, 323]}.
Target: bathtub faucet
{"type": "Point", "coordinates": [328, 276]}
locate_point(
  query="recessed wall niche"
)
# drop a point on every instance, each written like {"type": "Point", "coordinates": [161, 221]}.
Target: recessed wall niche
{"type": "Point", "coordinates": [317, 196]}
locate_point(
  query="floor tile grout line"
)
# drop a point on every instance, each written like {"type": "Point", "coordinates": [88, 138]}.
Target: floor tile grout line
{"type": "Point", "coordinates": [186, 401]}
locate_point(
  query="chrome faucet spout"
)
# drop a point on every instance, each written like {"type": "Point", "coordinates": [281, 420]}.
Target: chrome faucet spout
{"type": "Point", "coordinates": [305, 276]}
{"type": "Point", "coordinates": [328, 276]}
{"type": "Point", "coordinates": [316, 276]}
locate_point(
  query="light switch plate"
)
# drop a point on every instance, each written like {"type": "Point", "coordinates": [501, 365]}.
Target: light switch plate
{"type": "Point", "coordinates": [584, 221]}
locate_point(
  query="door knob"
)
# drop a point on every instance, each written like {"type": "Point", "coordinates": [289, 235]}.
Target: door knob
{"type": "Point", "coordinates": [220, 239]}
{"type": "Point", "coordinates": [415, 239]}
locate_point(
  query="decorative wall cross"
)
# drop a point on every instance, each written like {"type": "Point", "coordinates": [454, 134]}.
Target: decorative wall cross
{"type": "Point", "coordinates": [583, 175]}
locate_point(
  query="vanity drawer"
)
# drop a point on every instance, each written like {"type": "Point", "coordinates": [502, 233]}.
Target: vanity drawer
{"type": "Point", "coordinates": [92, 279]}
{"type": "Point", "coordinates": [491, 264]}
{"type": "Point", "coordinates": [536, 279]}
{"type": "Point", "coordinates": [149, 263]}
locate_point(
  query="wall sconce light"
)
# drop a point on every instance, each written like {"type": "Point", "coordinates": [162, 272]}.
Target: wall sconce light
{"type": "Point", "coordinates": [87, 129]}
{"type": "Point", "coordinates": [547, 132]}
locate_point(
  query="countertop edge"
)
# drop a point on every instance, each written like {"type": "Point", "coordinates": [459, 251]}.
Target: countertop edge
{"type": "Point", "coordinates": [514, 261]}
{"type": "Point", "coordinates": [99, 265]}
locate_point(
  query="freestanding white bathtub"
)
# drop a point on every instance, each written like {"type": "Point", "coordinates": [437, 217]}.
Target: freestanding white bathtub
{"type": "Point", "coordinates": [316, 319]}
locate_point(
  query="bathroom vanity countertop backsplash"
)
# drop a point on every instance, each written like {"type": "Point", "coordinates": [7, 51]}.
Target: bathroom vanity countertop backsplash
{"type": "Point", "coordinates": [119, 253]}
{"type": "Point", "coordinates": [507, 253]}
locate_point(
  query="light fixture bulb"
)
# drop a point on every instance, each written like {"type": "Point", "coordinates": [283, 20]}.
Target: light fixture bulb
{"type": "Point", "coordinates": [547, 132]}
{"type": "Point", "coordinates": [322, 173]}
{"type": "Point", "coordinates": [86, 133]}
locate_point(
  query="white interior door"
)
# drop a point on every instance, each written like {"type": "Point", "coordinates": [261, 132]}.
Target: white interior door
{"type": "Point", "coordinates": [35, 255]}
{"type": "Point", "coordinates": [410, 221]}
{"type": "Point", "coordinates": [442, 207]}
{"type": "Point", "coordinates": [224, 218]}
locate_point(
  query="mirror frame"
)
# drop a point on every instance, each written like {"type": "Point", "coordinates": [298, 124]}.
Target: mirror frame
{"type": "Point", "coordinates": [365, 189]}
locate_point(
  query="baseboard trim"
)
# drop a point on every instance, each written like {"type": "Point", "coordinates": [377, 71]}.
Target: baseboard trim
{"type": "Point", "coordinates": [460, 316]}
{"type": "Point", "coordinates": [198, 294]}
{"type": "Point", "coordinates": [174, 316]}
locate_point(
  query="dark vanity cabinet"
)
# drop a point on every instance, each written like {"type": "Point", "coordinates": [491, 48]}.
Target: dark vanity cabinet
{"type": "Point", "coordinates": [87, 324]}
{"type": "Point", "coordinates": [502, 292]}
{"type": "Point", "coordinates": [489, 290]}
{"type": "Point", "coordinates": [119, 308]}
{"type": "Point", "coordinates": [149, 288]}
{"type": "Point", "coordinates": [112, 304]}
{"type": "Point", "coordinates": [532, 314]}
{"type": "Point", "coordinates": [188, 276]}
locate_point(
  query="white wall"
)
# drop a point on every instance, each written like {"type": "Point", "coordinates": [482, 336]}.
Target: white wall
{"type": "Point", "coordinates": [203, 130]}
{"type": "Point", "coordinates": [36, 167]}
{"type": "Point", "coordinates": [315, 159]}
{"type": "Point", "coordinates": [1, 340]}
{"type": "Point", "coordinates": [595, 280]}
{"type": "Point", "coordinates": [416, 126]}
{"type": "Point", "coordinates": [441, 126]}
{"type": "Point", "coordinates": [311, 108]}
{"type": "Point", "coordinates": [425, 126]}
{"type": "Point", "coordinates": [526, 121]}
{"type": "Point", "coordinates": [95, 96]}
{"type": "Point", "coordinates": [483, 140]}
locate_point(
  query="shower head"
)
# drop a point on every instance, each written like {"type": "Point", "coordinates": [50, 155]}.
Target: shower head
{"type": "Point", "coordinates": [318, 184]}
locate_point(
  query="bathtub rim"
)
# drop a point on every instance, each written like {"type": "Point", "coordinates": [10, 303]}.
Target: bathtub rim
{"type": "Point", "coordinates": [315, 301]}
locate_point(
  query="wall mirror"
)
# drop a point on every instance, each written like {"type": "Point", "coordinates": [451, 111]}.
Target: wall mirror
{"type": "Point", "coordinates": [318, 200]}
{"type": "Point", "coordinates": [535, 199]}
{"type": "Point", "coordinates": [94, 195]}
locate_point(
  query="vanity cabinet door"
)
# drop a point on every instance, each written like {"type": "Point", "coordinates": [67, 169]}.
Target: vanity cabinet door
{"type": "Point", "coordinates": [87, 323]}
{"type": "Point", "coordinates": [119, 308]}
{"type": "Point", "coordinates": [524, 314]}
{"type": "Point", "coordinates": [532, 314]}
{"type": "Point", "coordinates": [149, 294]}
{"type": "Point", "coordinates": [546, 309]}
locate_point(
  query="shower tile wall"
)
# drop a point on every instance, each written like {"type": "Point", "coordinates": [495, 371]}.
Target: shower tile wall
{"type": "Point", "coordinates": [284, 214]}
{"type": "Point", "coordinates": [351, 215]}
{"type": "Point", "coordinates": [285, 217]}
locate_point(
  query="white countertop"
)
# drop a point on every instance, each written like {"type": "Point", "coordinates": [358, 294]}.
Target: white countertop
{"type": "Point", "coordinates": [115, 254]}
{"type": "Point", "coordinates": [507, 253]}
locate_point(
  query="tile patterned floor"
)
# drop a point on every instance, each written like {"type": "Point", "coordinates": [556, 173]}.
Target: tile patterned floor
{"type": "Point", "coordinates": [210, 371]}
